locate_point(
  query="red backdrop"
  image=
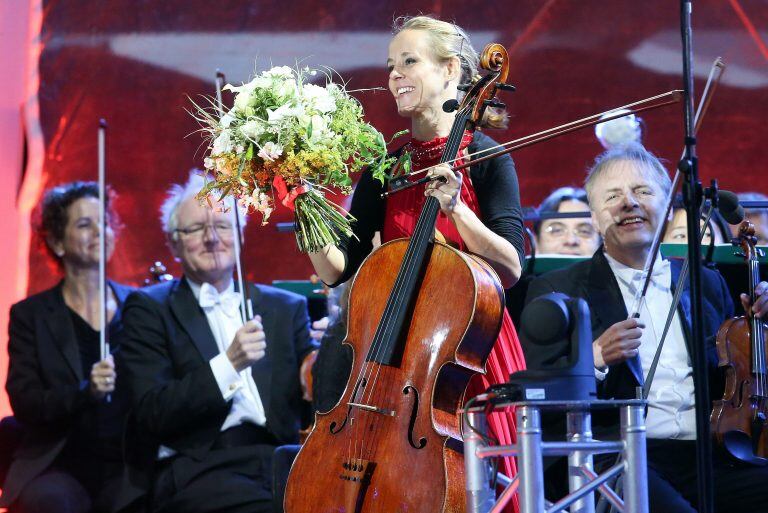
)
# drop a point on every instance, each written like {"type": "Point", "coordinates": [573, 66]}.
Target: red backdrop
{"type": "Point", "coordinates": [135, 64]}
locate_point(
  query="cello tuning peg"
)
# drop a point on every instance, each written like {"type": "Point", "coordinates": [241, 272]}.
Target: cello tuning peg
{"type": "Point", "coordinates": [464, 87]}
{"type": "Point", "coordinates": [505, 87]}
{"type": "Point", "coordinates": [495, 103]}
{"type": "Point", "coordinates": [451, 105]}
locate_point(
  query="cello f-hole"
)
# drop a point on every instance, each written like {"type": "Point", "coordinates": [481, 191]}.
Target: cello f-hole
{"type": "Point", "coordinates": [414, 412]}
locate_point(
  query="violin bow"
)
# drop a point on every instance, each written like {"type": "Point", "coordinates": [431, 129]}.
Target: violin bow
{"type": "Point", "coordinates": [715, 74]}
{"type": "Point", "coordinates": [662, 100]}
{"type": "Point", "coordinates": [246, 306]}
{"type": "Point", "coordinates": [102, 165]}
{"type": "Point", "coordinates": [101, 142]}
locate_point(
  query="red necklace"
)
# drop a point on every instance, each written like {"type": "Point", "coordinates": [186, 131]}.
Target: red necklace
{"type": "Point", "coordinates": [428, 153]}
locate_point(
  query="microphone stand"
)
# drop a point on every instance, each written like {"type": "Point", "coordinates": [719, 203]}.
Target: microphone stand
{"type": "Point", "coordinates": [692, 196]}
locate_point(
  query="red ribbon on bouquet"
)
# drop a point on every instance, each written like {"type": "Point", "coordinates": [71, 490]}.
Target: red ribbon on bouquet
{"type": "Point", "coordinates": [288, 197]}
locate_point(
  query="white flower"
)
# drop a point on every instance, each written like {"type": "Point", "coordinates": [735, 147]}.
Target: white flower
{"type": "Point", "coordinates": [226, 120]}
{"type": "Point", "coordinates": [278, 72]}
{"type": "Point", "coordinates": [318, 98]}
{"type": "Point", "coordinates": [270, 151]}
{"type": "Point", "coordinates": [240, 149]}
{"type": "Point", "coordinates": [222, 144]}
{"type": "Point", "coordinates": [284, 111]}
{"type": "Point", "coordinates": [244, 93]}
{"type": "Point", "coordinates": [321, 134]}
{"type": "Point", "coordinates": [252, 129]}
{"type": "Point", "coordinates": [287, 90]}
{"type": "Point", "coordinates": [318, 127]}
{"type": "Point", "coordinates": [209, 163]}
{"type": "Point", "coordinates": [242, 100]}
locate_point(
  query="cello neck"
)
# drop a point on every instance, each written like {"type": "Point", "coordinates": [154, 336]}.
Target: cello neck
{"type": "Point", "coordinates": [383, 349]}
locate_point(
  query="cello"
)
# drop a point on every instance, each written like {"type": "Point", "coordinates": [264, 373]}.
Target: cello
{"type": "Point", "coordinates": [391, 443]}
{"type": "Point", "coordinates": [739, 419]}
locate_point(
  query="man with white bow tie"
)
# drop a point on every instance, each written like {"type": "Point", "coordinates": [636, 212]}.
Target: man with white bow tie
{"type": "Point", "coordinates": [627, 188]}
{"type": "Point", "coordinates": [212, 396]}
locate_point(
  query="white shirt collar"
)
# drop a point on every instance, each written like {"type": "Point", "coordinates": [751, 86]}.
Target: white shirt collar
{"type": "Point", "coordinates": [196, 287]}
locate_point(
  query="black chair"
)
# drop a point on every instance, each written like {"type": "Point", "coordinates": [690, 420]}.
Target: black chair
{"type": "Point", "coordinates": [281, 467]}
{"type": "Point", "coordinates": [11, 434]}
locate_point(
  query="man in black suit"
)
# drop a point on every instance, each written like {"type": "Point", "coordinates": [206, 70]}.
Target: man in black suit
{"type": "Point", "coordinates": [627, 188]}
{"type": "Point", "coordinates": [212, 396]}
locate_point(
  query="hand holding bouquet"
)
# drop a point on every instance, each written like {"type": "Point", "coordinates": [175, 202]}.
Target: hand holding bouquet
{"type": "Point", "coordinates": [291, 140]}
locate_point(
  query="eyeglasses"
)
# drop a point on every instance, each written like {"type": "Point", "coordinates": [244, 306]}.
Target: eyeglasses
{"type": "Point", "coordinates": [583, 231]}
{"type": "Point", "coordinates": [223, 231]}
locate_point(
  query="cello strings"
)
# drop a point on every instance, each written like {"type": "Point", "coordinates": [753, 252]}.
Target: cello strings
{"type": "Point", "coordinates": [424, 226]}
{"type": "Point", "coordinates": [386, 335]}
{"type": "Point", "coordinates": [429, 210]}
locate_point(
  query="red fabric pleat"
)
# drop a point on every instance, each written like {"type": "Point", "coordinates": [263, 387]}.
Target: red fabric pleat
{"type": "Point", "coordinates": [402, 212]}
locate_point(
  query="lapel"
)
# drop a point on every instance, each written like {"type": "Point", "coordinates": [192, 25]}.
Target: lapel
{"type": "Point", "coordinates": [607, 304]}
{"type": "Point", "coordinates": [261, 371]}
{"type": "Point", "coordinates": [684, 307]}
{"type": "Point", "coordinates": [192, 319]}
{"type": "Point", "coordinates": [62, 331]}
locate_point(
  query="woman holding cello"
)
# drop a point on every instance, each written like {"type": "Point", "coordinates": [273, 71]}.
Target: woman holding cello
{"type": "Point", "coordinates": [479, 207]}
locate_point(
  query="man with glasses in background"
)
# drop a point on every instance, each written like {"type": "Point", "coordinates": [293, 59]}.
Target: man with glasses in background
{"type": "Point", "coordinates": [212, 396]}
{"type": "Point", "coordinates": [567, 236]}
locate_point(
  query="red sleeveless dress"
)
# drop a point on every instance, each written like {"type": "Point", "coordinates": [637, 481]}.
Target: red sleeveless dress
{"type": "Point", "coordinates": [402, 213]}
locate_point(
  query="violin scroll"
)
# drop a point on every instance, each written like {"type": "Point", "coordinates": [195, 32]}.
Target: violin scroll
{"type": "Point", "coordinates": [747, 241]}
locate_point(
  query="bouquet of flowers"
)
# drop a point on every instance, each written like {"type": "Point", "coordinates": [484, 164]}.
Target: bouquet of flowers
{"type": "Point", "coordinates": [290, 140]}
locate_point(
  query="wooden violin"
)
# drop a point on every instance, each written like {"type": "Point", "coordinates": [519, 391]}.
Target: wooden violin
{"type": "Point", "coordinates": [739, 419]}
{"type": "Point", "coordinates": [392, 442]}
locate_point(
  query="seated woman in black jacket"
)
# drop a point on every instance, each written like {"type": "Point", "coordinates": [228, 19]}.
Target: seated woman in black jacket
{"type": "Point", "coordinates": [62, 393]}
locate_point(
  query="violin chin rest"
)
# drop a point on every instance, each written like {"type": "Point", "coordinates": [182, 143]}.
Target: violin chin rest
{"type": "Point", "coordinates": [740, 446]}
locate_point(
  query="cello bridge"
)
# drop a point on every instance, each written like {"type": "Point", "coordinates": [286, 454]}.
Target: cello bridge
{"type": "Point", "coordinates": [374, 409]}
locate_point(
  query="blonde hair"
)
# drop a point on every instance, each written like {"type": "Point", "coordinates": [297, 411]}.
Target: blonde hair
{"type": "Point", "coordinates": [177, 194]}
{"type": "Point", "coordinates": [449, 41]}
{"type": "Point", "coordinates": [632, 152]}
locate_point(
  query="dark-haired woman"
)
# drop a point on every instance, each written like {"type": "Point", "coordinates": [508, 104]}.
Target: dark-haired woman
{"type": "Point", "coordinates": [69, 460]}
{"type": "Point", "coordinates": [480, 208]}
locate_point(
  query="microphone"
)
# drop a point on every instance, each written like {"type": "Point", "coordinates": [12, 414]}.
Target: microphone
{"type": "Point", "coordinates": [728, 205]}
{"type": "Point", "coordinates": [450, 105]}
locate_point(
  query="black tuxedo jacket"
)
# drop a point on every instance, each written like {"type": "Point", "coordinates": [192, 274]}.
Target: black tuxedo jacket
{"type": "Point", "coordinates": [594, 281]}
{"type": "Point", "coordinates": [176, 400]}
{"type": "Point", "coordinates": [46, 384]}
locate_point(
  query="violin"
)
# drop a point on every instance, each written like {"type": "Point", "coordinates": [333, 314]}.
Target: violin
{"type": "Point", "coordinates": [738, 420]}
{"type": "Point", "coordinates": [158, 273]}
{"type": "Point", "coordinates": [392, 442]}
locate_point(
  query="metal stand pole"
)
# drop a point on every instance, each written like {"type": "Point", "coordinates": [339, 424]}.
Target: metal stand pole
{"type": "Point", "coordinates": [636, 469]}
{"type": "Point", "coordinates": [692, 196]}
{"type": "Point", "coordinates": [531, 468]}
{"type": "Point", "coordinates": [580, 430]}
{"type": "Point", "coordinates": [480, 496]}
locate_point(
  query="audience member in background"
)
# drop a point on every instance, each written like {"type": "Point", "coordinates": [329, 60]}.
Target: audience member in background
{"type": "Point", "coordinates": [758, 216]}
{"type": "Point", "coordinates": [677, 228]}
{"type": "Point", "coordinates": [69, 460]}
{"type": "Point", "coordinates": [568, 236]}
{"type": "Point", "coordinates": [212, 396]}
